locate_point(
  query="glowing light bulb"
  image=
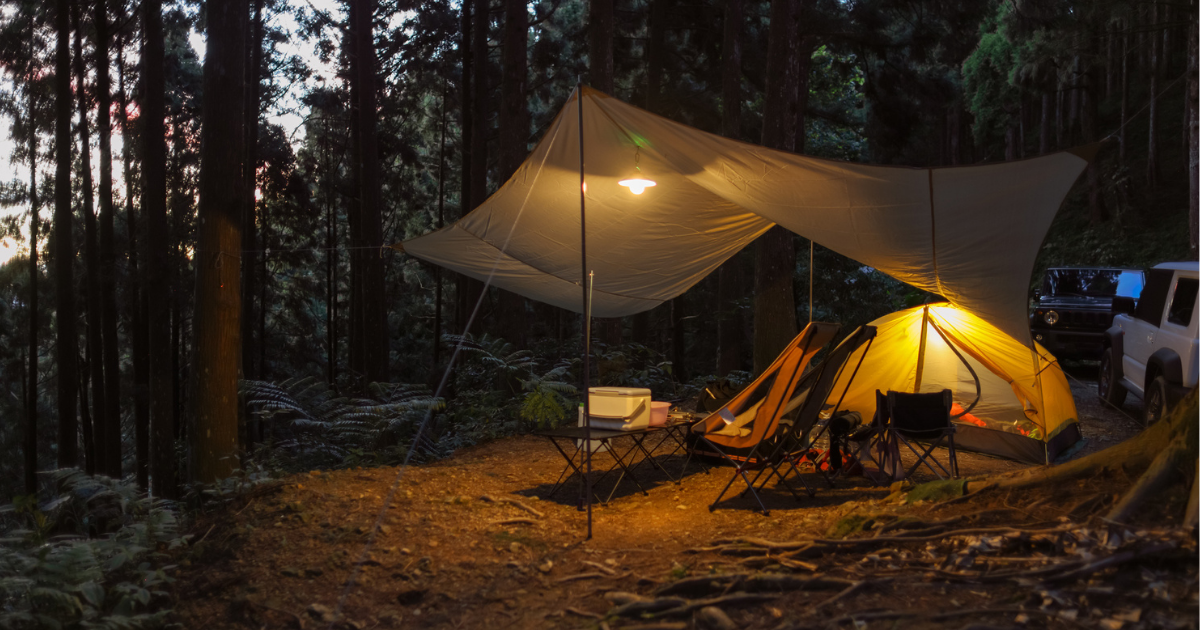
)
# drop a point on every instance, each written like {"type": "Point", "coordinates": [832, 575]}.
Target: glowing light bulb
{"type": "Point", "coordinates": [637, 186]}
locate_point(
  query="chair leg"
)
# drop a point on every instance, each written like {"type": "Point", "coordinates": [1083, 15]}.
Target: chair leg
{"type": "Point", "coordinates": [924, 458]}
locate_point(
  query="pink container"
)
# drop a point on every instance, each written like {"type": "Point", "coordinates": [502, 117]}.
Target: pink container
{"type": "Point", "coordinates": [658, 413]}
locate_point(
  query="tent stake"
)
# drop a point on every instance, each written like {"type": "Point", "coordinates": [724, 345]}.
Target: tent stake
{"type": "Point", "coordinates": [587, 323]}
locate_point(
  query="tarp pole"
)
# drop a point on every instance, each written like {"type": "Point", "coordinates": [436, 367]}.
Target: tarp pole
{"type": "Point", "coordinates": [810, 280]}
{"type": "Point", "coordinates": [587, 324]}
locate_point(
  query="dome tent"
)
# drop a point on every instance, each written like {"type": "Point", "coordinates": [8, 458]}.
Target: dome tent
{"type": "Point", "coordinates": [1009, 400]}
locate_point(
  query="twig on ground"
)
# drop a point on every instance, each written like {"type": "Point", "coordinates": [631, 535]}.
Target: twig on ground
{"type": "Point", "coordinates": [213, 526]}
{"type": "Point", "coordinates": [987, 487]}
{"type": "Point", "coordinates": [512, 501]}
{"type": "Point", "coordinates": [515, 521]}
{"type": "Point", "coordinates": [582, 613]}
{"type": "Point", "coordinates": [1112, 561]}
{"type": "Point", "coordinates": [848, 591]}
{"type": "Point", "coordinates": [580, 576]}
{"type": "Point", "coordinates": [602, 567]}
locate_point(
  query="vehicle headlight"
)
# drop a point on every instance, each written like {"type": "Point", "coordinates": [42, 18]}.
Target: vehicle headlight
{"type": "Point", "coordinates": [1051, 317]}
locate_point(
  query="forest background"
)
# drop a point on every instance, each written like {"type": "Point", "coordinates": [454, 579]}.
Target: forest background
{"type": "Point", "coordinates": [236, 235]}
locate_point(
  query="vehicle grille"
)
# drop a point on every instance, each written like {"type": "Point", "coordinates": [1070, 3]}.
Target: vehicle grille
{"type": "Point", "coordinates": [1085, 319]}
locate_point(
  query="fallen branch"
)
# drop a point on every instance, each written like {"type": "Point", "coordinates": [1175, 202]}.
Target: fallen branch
{"type": "Point", "coordinates": [766, 582]}
{"type": "Point", "coordinates": [512, 501]}
{"type": "Point", "coordinates": [583, 613]}
{"type": "Point", "coordinates": [967, 612]}
{"type": "Point", "coordinates": [987, 487]}
{"type": "Point", "coordinates": [735, 599]}
{"type": "Point", "coordinates": [515, 521]}
{"type": "Point", "coordinates": [758, 562]}
{"type": "Point", "coordinates": [602, 567]}
{"type": "Point", "coordinates": [1112, 561]}
{"type": "Point", "coordinates": [970, 531]}
{"type": "Point", "coordinates": [579, 576]}
{"type": "Point", "coordinates": [848, 591]}
{"type": "Point", "coordinates": [1162, 473]}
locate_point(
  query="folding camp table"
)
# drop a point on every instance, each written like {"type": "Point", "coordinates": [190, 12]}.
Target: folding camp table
{"type": "Point", "coordinates": [625, 459]}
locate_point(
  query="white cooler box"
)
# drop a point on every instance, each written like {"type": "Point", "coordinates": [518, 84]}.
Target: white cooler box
{"type": "Point", "coordinates": [619, 408]}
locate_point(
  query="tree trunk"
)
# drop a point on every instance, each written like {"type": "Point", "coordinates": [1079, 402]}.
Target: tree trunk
{"type": "Point", "coordinates": [85, 421]}
{"type": "Point", "coordinates": [135, 297]}
{"type": "Point", "coordinates": [1090, 125]}
{"type": "Point", "coordinates": [1193, 133]}
{"type": "Point", "coordinates": [600, 74]}
{"type": "Point", "coordinates": [956, 129]}
{"type": "Point", "coordinates": [250, 247]}
{"type": "Point", "coordinates": [1058, 115]}
{"type": "Point", "coordinates": [731, 274]}
{"type": "Point", "coordinates": [108, 252]}
{"type": "Point", "coordinates": [354, 209]}
{"type": "Point", "coordinates": [31, 396]}
{"type": "Point", "coordinates": [1164, 66]}
{"type": "Point", "coordinates": [1152, 113]}
{"type": "Point", "coordinates": [1072, 135]}
{"type": "Point", "coordinates": [67, 343]}
{"type": "Point", "coordinates": [470, 290]}
{"type": "Point", "coordinates": [218, 294]}
{"type": "Point", "coordinates": [775, 260]}
{"type": "Point", "coordinates": [1161, 451]}
{"type": "Point", "coordinates": [470, 58]}
{"type": "Point", "coordinates": [514, 136]}
{"type": "Point", "coordinates": [1109, 44]}
{"type": "Point", "coordinates": [1044, 131]}
{"type": "Point", "coordinates": [157, 282]}
{"type": "Point", "coordinates": [374, 339]}
{"type": "Point", "coordinates": [94, 335]}
{"type": "Point", "coordinates": [1124, 93]}
{"type": "Point", "coordinates": [331, 263]}
{"type": "Point", "coordinates": [441, 221]}
{"type": "Point", "coordinates": [600, 45]}
{"type": "Point", "coordinates": [678, 339]}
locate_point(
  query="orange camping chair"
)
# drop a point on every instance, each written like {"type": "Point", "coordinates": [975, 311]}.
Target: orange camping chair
{"type": "Point", "coordinates": [740, 431]}
{"type": "Point", "coordinates": [805, 397]}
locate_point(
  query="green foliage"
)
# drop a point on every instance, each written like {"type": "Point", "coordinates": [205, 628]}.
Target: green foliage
{"type": "Point", "coordinates": [987, 88]}
{"type": "Point", "coordinates": [308, 425]}
{"type": "Point", "coordinates": [104, 565]}
{"type": "Point", "coordinates": [548, 400]}
{"type": "Point", "coordinates": [636, 365]}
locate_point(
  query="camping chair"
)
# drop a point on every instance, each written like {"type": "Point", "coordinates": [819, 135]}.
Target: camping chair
{"type": "Point", "coordinates": [739, 431]}
{"type": "Point", "coordinates": [794, 448]}
{"type": "Point", "coordinates": [787, 444]}
{"type": "Point", "coordinates": [923, 418]}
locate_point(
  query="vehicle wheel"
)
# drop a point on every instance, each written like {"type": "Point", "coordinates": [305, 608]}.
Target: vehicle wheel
{"type": "Point", "coordinates": [1108, 385]}
{"type": "Point", "coordinates": [1156, 401]}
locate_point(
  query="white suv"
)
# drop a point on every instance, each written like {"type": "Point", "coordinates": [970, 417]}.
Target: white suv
{"type": "Point", "coordinates": [1151, 348]}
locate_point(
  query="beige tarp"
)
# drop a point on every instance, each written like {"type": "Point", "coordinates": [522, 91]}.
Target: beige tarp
{"type": "Point", "coordinates": [969, 234]}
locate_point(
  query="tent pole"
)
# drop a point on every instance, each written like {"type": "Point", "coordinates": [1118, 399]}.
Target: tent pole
{"type": "Point", "coordinates": [587, 315]}
{"type": "Point", "coordinates": [921, 349]}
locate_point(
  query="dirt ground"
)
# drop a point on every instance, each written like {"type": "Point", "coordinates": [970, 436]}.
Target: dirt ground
{"type": "Point", "coordinates": [476, 541]}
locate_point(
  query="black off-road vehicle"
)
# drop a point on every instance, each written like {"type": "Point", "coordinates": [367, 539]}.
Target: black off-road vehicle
{"type": "Point", "coordinates": [1074, 308]}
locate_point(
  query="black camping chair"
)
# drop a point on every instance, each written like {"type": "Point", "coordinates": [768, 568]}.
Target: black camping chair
{"type": "Point", "coordinates": [923, 418]}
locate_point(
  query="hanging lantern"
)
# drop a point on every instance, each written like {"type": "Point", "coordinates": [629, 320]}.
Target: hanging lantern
{"type": "Point", "coordinates": [638, 183]}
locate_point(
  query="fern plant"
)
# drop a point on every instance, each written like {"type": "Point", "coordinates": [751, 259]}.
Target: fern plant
{"type": "Point", "coordinates": [104, 565]}
{"type": "Point", "coordinates": [548, 399]}
{"type": "Point", "coordinates": [309, 425]}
